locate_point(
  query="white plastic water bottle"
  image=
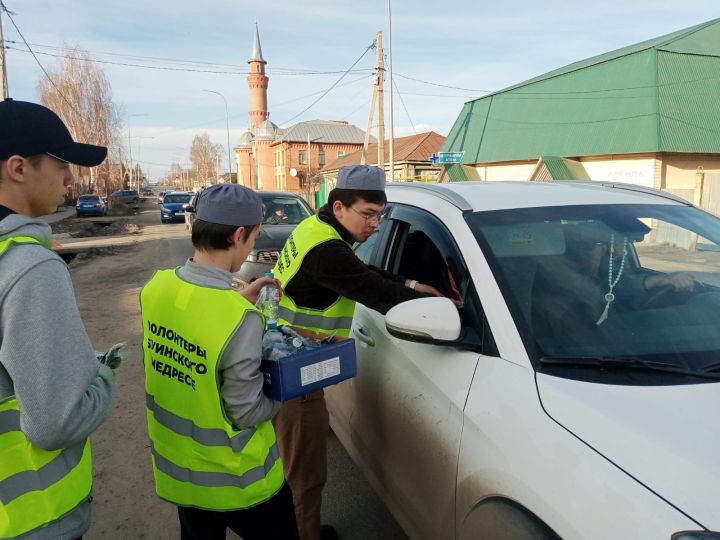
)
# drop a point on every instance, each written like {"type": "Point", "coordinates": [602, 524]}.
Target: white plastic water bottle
{"type": "Point", "coordinates": [269, 302]}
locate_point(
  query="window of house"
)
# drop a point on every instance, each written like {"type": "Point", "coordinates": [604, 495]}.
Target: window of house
{"type": "Point", "coordinates": [341, 153]}
{"type": "Point", "coordinates": [302, 157]}
{"type": "Point", "coordinates": [321, 157]}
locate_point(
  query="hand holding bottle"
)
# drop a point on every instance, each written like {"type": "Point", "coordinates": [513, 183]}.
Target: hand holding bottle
{"type": "Point", "coordinates": [252, 291]}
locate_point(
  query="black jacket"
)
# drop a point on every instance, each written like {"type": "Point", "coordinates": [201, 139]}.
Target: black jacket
{"type": "Point", "coordinates": [332, 269]}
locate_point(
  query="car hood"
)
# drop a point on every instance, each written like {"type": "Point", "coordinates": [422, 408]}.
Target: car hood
{"type": "Point", "coordinates": [666, 437]}
{"type": "Point", "coordinates": [173, 206]}
{"type": "Point", "coordinates": [273, 237]}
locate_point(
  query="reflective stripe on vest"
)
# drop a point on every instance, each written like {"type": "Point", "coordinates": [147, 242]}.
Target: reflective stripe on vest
{"type": "Point", "coordinates": [336, 318]}
{"type": "Point", "coordinates": [11, 241]}
{"type": "Point", "coordinates": [199, 458]}
{"type": "Point", "coordinates": [37, 487]}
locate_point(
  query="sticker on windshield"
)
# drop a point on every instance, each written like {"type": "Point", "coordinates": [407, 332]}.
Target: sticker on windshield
{"type": "Point", "coordinates": [520, 236]}
{"type": "Point", "coordinates": [320, 371]}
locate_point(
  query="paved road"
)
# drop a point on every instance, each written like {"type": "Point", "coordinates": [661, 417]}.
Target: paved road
{"type": "Point", "coordinates": [125, 506]}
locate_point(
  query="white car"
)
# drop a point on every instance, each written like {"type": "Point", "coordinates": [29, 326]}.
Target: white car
{"type": "Point", "coordinates": [576, 394]}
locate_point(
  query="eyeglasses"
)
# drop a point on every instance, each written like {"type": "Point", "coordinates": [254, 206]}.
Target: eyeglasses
{"type": "Point", "coordinates": [377, 217]}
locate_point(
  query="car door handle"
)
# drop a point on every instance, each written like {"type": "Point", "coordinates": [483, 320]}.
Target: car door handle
{"type": "Point", "coordinates": [364, 336]}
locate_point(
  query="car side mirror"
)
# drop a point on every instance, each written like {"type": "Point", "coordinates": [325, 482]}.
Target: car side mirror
{"type": "Point", "coordinates": [425, 320]}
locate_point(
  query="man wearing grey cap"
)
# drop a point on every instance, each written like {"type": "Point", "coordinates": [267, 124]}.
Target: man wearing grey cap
{"type": "Point", "coordinates": [213, 446]}
{"type": "Point", "coordinates": [322, 279]}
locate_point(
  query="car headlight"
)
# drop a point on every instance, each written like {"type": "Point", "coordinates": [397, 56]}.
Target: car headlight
{"type": "Point", "coordinates": [696, 535]}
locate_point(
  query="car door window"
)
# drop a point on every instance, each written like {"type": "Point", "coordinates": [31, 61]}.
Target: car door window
{"type": "Point", "coordinates": [418, 246]}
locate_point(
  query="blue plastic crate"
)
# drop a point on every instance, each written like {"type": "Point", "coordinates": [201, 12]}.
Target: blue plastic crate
{"type": "Point", "coordinates": [307, 371]}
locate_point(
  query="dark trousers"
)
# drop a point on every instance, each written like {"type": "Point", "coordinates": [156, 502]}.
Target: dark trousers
{"type": "Point", "coordinates": [272, 520]}
{"type": "Point", "coordinates": [301, 427]}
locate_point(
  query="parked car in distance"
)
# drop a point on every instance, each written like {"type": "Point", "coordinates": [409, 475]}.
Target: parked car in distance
{"type": "Point", "coordinates": [126, 196]}
{"type": "Point", "coordinates": [171, 208]}
{"type": "Point", "coordinates": [575, 392]}
{"type": "Point", "coordinates": [90, 205]}
{"type": "Point", "coordinates": [282, 211]}
{"type": "Point", "coordinates": [190, 210]}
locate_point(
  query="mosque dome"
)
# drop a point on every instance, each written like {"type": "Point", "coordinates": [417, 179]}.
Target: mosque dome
{"type": "Point", "coordinates": [266, 130]}
{"type": "Point", "coordinates": [246, 140]}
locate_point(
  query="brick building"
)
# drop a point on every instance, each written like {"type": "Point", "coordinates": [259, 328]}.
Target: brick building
{"type": "Point", "coordinates": [272, 158]}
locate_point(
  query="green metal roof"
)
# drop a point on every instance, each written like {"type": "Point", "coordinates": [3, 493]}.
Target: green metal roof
{"type": "Point", "coordinates": [461, 173]}
{"type": "Point", "coordinates": [661, 95]}
{"type": "Point", "coordinates": [564, 169]}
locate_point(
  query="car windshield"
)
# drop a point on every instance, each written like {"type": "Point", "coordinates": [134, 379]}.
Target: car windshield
{"type": "Point", "coordinates": [278, 210]}
{"type": "Point", "coordinates": [177, 198]}
{"type": "Point", "coordinates": [609, 282]}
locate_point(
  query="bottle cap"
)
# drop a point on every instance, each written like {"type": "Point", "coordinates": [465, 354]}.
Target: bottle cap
{"type": "Point", "coordinates": [272, 325]}
{"type": "Point", "coordinates": [270, 275]}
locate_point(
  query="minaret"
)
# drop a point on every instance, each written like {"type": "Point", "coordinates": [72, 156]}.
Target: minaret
{"type": "Point", "coordinates": [258, 83]}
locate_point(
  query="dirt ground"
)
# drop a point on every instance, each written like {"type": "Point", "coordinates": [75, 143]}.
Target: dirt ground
{"type": "Point", "coordinates": [125, 504]}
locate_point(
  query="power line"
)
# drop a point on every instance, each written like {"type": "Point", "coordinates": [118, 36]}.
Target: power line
{"type": "Point", "coordinates": [412, 124]}
{"type": "Point", "coordinates": [2, 6]}
{"type": "Point", "coordinates": [331, 87]}
{"type": "Point", "coordinates": [295, 73]}
{"type": "Point", "coordinates": [353, 81]}
{"type": "Point", "coordinates": [442, 85]}
{"type": "Point", "coordinates": [271, 71]}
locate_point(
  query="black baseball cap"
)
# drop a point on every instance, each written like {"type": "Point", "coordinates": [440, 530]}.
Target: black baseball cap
{"type": "Point", "coordinates": [27, 129]}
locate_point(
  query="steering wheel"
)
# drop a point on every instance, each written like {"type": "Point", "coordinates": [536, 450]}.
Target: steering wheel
{"type": "Point", "coordinates": [663, 293]}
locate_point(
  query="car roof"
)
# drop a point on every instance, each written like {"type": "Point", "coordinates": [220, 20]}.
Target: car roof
{"type": "Point", "coordinates": [485, 196]}
{"type": "Point", "coordinates": [270, 194]}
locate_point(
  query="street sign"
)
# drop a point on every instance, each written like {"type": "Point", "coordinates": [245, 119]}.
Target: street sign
{"type": "Point", "coordinates": [450, 157]}
{"type": "Point", "coordinates": [434, 158]}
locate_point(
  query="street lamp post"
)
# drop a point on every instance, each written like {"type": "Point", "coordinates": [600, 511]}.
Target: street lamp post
{"type": "Point", "coordinates": [137, 165]}
{"type": "Point", "coordinates": [227, 128]}
{"type": "Point", "coordinates": [130, 164]}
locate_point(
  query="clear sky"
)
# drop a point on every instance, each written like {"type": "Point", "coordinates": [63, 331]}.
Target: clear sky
{"type": "Point", "coordinates": [469, 46]}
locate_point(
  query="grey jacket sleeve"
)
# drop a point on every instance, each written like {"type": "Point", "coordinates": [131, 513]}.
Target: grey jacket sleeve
{"type": "Point", "coordinates": [241, 380]}
{"type": "Point", "coordinates": [63, 392]}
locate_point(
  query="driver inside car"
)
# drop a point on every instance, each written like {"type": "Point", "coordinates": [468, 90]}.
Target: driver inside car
{"type": "Point", "coordinates": [278, 217]}
{"type": "Point", "coordinates": [594, 279]}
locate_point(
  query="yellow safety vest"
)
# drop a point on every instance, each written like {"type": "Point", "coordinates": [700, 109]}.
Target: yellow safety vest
{"type": "Point", "coordinates": [37, 487]}
{"type": "Point", "coordinates": [200, 458]}
{"type": "Point", "coordinates": [335, 319]}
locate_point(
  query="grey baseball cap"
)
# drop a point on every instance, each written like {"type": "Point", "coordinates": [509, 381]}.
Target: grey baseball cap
{"type": "Point", "coordinates": [229, 204]}
{"type": "Point", "coordinates": [361, 177]}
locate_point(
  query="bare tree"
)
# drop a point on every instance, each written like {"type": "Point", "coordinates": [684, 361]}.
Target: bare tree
{"type": "Point", "coordinates": [80, 93]}
{"type": "Point", "coordinates": [205, 156]}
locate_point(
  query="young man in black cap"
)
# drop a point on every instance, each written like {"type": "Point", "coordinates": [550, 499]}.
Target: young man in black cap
{"type": "Point", "coordinates": [322, 279]}
{"type": "Point", "coordinates": [53, 391]}
{"type": "Point", "coordinates": [213, 447]}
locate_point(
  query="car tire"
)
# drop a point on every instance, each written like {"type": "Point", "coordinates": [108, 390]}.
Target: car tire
{"type": "Point", "coordinates": [135, 201]}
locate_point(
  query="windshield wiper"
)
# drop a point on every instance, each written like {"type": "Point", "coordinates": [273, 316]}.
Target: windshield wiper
{"type": "Point", "coordinates": [715, 366]}
{"type": "Point", "coordinates": [623, 362]}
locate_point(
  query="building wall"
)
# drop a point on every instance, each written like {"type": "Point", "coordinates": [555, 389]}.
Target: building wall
{"type": "Point", "coordinates": [520, 170]}
{"type": "Point", "coordinates": [264, 157]}
{"type": "Point", "coordinates": [244, 161]}
{"type": "Point", "coordinates": [680, 170]}
{"type": "Point", "coordinates": [287, 156]}
{"type": "Point", "coordinates": [638, 169]}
